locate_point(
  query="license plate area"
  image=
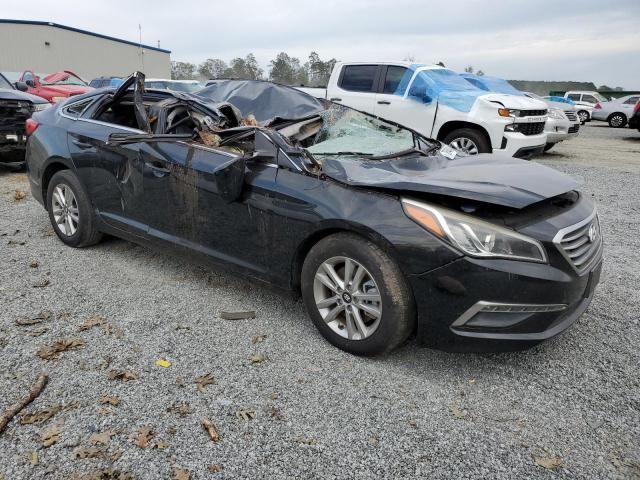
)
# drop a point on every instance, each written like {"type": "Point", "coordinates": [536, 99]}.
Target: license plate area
{"type": "Point", "coordinates": [594, 279]}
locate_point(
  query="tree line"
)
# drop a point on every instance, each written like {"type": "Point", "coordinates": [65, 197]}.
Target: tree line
{"type": "Point", "coordinates": [283, 69]}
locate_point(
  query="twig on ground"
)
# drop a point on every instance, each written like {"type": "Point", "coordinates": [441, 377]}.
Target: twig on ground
{"type": "Point", "coordinates": [14, 409]}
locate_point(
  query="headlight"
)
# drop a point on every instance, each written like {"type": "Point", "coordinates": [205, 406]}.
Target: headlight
{"type": "Point", "coordinates": [556, 113]}
{"type": "Point", "coordinates": [508, 112]}
{"type": "Point", "coordinates": [58, 99]}
{"type": "Point", "coordinates": [474, 237]}
{"type": "Point", "coordinates": [37, 107]}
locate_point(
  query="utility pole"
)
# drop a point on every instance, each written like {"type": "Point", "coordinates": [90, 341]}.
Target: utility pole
{"type": "Point", "coordinates": [141, 49]}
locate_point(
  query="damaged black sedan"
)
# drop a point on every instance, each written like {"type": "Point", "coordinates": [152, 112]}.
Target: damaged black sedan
{"type": "Point", "coordinates": [384, 233]}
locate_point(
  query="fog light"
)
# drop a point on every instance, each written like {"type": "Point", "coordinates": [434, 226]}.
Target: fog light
{"type": "Point", "coordinates": [511, 128]}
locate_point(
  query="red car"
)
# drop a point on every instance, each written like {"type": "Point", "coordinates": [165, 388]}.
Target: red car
{"type": "Point", "coordinates": [54, 87]}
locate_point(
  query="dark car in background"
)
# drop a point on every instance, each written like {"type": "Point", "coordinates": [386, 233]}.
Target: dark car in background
{"type": "Point", "coordinates": [634, 119]}
{"type": "Point", "coordinates": [15, 108]}
{"type": "Point", "coordinates": [383, 231]}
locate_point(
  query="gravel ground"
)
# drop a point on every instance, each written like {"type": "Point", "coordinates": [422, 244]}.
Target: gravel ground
{"type": "Point", "coordinates": [571, 404]}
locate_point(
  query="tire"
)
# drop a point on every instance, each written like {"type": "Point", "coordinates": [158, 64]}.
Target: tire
{"type": "Point", "coordinates": [381, 278]}
{"type": "Point", "coordinates": [85, 232]}
{"type": "Point", "coordinates": [460, 138]}
{"type": "Point", "coordinates": [548, 146]}
{"type": "Point", "coordinates": [617, 120]}
{"type": "Point", "coordinates": [584, 116]}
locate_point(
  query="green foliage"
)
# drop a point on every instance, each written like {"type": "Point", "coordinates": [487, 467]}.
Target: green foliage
{"type": "Point", "coordinates": [182, 70]}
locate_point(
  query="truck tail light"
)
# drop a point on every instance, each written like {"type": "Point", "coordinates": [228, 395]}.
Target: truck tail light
{"type": "Point", "coordinates": [598, 106]}
{"type": "Point", "coordinates": [30, 126]}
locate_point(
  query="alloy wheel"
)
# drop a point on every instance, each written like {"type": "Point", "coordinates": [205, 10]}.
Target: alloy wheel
{"type": "Point", "coordinates": [583, 116]}
{"type": "Point", "coordinates": [616, 121]}
{"type": "Point", "coordinates": [465, 145]}
{"type": "Point", "coordinates": [347, 298]}
{"type": "Point", "coordinates": [65, 209]}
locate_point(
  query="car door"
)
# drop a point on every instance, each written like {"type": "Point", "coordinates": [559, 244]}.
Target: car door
{"type": "Point", "coordinates": [404, 102]}
{"type": "Point", "coordinates": [186, 205]}
{"type": "Point", "coordinates": [357, 86]}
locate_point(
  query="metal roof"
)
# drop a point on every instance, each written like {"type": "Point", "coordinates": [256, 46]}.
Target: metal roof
{"type": "Point", "coordinates": [85, 32]}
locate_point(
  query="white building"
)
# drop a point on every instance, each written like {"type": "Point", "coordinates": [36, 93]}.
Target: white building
{"type": "Point", "coordinates": [48, 47]}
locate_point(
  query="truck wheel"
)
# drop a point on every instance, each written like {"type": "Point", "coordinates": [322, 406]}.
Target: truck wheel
{"type": "Point", "coordinates": [583, 115]}
{"type": "Point", "coordinates": [617, 120]}
{"type": "Point", "coordinates": [468, 140]}
{"type": "Point", "coordinates": [70, 211]}
{"type": "Point", "coordinates": [356, 295]}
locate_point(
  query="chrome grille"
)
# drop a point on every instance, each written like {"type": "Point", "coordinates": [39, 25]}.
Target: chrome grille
{"type": "Point", "coordinates": [532, 113]}
{"type": "Point", "coordinates": [571, 115]}
{"type": "Point", "coordinates": [580, 243]}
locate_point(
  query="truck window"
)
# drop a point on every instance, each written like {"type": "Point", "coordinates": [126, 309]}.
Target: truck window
{"type": "Point", "coordinates": [392, 80]}
{"type": "Point", "coordinates": [632, 100]}
{"type": "Point", "coordinates": [589, 98]}
{"type": "Point", "coordinates": [574, 96]}
{"type": "Point", "coordinates": [358, 78]}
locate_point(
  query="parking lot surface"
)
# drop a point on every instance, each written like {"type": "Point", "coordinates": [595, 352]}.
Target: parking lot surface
{"type": "Point", "coordinates": [284, 402]}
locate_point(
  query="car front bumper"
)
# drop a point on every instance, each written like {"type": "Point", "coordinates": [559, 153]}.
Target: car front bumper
{"type": "Point", "coordinates": [499, 305]}
{"type": "Point", "coordinates": [518, 145]}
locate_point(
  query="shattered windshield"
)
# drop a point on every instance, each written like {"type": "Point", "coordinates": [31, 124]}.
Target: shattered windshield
{"type": "Point", "coordinates": [349, 132]}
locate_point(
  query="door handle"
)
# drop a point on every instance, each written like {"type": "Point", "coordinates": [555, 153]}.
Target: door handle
{"type": "Point", "coordinates": [157, 167]}
{"type": "Point", "coordinates": [335, 99]}
{"type": "Point", "coordinates": [81, 144]}
{"type": "Point", "coordinates": [384, 102]}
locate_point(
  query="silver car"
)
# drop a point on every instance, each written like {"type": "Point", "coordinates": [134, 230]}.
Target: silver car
{"type": "Point", "coordinates": [616, 112]}
{"type": "Point", "coordinates": [563, 122]}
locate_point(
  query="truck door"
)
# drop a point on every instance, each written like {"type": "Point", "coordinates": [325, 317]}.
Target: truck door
{"type": "Point", "coordinates": [356, 87]}
{"type": "Point", "coordinates": [405, 102]}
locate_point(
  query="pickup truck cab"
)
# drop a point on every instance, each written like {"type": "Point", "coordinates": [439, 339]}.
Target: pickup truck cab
{"type": "Point", "coordinates": [440, 104]}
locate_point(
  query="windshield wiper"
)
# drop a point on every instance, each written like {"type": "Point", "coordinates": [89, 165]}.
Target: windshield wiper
{"type": "Point", "coordinates": [400, 153]}
{"type": "Point", "coordinates": [344, 153]}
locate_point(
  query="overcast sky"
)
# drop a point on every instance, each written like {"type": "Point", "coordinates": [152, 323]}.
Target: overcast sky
{"type": "Point", "coordinates": [584, 40]}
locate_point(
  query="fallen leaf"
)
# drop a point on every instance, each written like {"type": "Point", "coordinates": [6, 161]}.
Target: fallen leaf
{"type": "Point", "coordinates": [16, 242]}
{"type": "Point", "coordinates": [160, 444]}
{"type": "Point", "coordinates": [552, 462]}
{"type": "Point", "coordinates": [36, 332]}
{"type": "Point", "coordinates": [238, 315]}
{"type": "Point", "coordinates": [124, 375]}
{"type": "Point", "coordinates": [305, 441]}
{"type": "Point", "coordinates": [373, 440]}
{"type": "Point", "coordinates": [172, 430]}
{"type": "Point", "coordinates": [182, 409]}
{"type": "Point", "coordinates": [258, 339]}
{"type": "Point", "coordinates": [101, 438]}
{"type": "Point", "coordinates": [246, 415]}
{"type": "Point", "coordinates": [142, 437]}
{"type": "Point", "coordinates": [275, 413]}
{"type": "Point", "coordinates": [54, 351]}
{"type": "Point", "coordinates": [88, 452]}
{"type": "Point", "coordinates": [19, 195]}
{"type": "Point", "coordinates": [210, 428]}
{"type": "Point", "coordinates": [44, 315]}
{"type": "Point", "coordinates": [163, 363]}
{"type": "Point", "coordinates": [204, 380]}
{"type": "Point", "coordinates": [457, 412]}
{"type": "Point", "coordinates": [181, 474]}
{"type": "Point", "coordinates": [257, 358]}
{"type": "Point", "coordinates": [111, 400]}
{"type": "Point", "coordinates": [34, 264]}
{"type": "Point", "coordinates": [33, 457]}
{"type": "Point", "coordinates": [40, 416]}
{"type": "Point", "coordinates": [50, 436]}
{"type": "Point", "coordinates": [215, 468]}
{"type": "Point", "coordinates": [472, 381]}
{"type": "Point", "coordinates": [93, 322]}
{"type": "Point", "coordinates": [106, 474]}
{"type": "Point", "coordinates": [41, 284]}
{"type": "Point", "coordinates": [413, 423]}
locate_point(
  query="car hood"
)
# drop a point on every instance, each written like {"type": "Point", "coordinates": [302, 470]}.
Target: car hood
{"type": "Point", "coordinates": [66, 90]}
{"type": "Point", "coordinates": [490, 178]}
{"type": "Point", "coordinates": [6, 94]}
{"type": "Point", "coordinates": [519, 102]}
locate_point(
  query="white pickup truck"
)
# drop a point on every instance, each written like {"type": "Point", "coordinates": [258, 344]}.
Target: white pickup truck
{"type": "Point", "coordinates": [438, 103]}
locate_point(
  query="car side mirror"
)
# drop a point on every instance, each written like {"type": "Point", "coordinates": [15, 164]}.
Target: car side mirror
{"type": "Point", "coordinates": [30, 83]}
{"type": "Point", "coordinates": [22, 86]}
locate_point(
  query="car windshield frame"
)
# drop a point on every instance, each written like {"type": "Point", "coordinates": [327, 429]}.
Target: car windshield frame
{"type": "Point", "coordinates": [4, 81]}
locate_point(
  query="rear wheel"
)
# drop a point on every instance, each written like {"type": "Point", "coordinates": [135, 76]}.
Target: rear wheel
{"type": "Point", "coordinates": [468, 140]}
{"type": "Point", "coordinates": [617, 120]}
{"type": "Point", "coordinates": [356, 295]}
{"type": "Point", "coordinates": [583, 115]}
{"type": "Point", "coordinates": [70, 211]}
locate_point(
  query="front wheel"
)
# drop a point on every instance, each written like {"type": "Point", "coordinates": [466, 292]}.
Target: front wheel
{"type": "Point", "coordinates": [468, 140]}
{"type": "Point", "coordinates": [70, 211]}
{"type": "Point", "coordinates": [356, 295]}
{"type": "Point", "coordinates": [583, 115]}
{"type": "Point", "coordinates": [617, 120]}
